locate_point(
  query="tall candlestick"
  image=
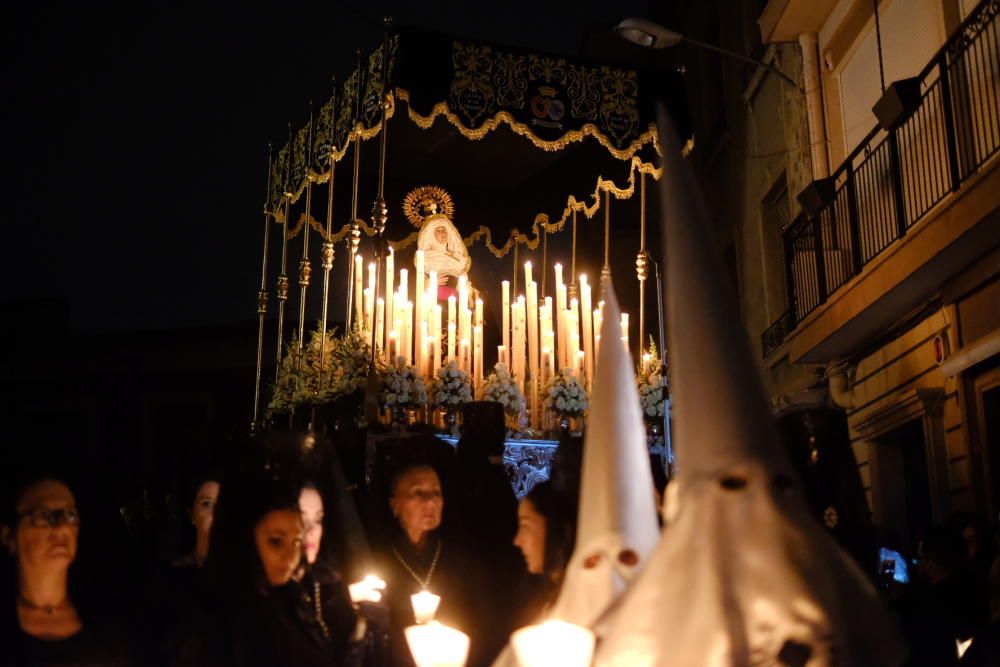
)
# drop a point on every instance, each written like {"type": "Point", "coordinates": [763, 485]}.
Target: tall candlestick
{"type": "Point", "coordinates": [452, 328]}
{"type": "Point", "coordinates": [391, 346]}
{"type": "Point", "coordinates": [561, 341]}
{"type": "Point", "coordinates": [598, 322]}
{"type": "Point", "coordinates": [477, 346]}
{"type": "Point", "coordinates": [390, 274]}
{"type": "Point", "coordinates": [437, 338]}
{"type": "Point", "coordinates": [586, 313]}
{"type": "Point", "coordinates": [532, 344]}
{"type": "Point", "coordinates": [359, 304]}
{"type": "Point", "coordinates": [625, 329]}
{"type": "Point", "coordinates": [423, 356]}
{"type": "Point", "coordinates": [505, 288]}
{"type": "Point", "coordinates": [379, 320]}
{"type": "Point", "coordinates": [408, 333]}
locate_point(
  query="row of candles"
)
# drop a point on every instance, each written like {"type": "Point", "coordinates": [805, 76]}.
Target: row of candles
{"type": "Point", "coordinates": [540, 335]}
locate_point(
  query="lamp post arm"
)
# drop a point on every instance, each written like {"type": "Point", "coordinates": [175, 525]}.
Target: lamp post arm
{"type": "Point", "coordinates": [759, 63]}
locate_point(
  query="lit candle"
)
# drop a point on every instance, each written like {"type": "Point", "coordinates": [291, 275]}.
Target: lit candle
{"type": "Point", "coordinates": [598, 322]}
{"type": "Point", "coordinates": [408, 333]}
{"type": "Point", "coordinates": [477, 346]}
{"type": "Point", "coordinates": [625, 329]}
{"type": "Point", "coordinates": [436, 337]}
{"type": "Point", "coordinates": [368, 589]}
{"type": "Point", "coordinates": [369, 309]}
{"type": "Point", "coordinates": [505, 288]}
{"type": "Point", "coordinates": [647, 358]}
{"type": "Point", "coordinates": [463, 354]}
{"type": "Point", "coordinates": [436, 645]}
{"type": "Point", "coordinates": [560, 323]}
{"type": "Point", "coordinates": [452, 328]}
{"type": "Point", "coordinates": [553, 642]}
{"type": "Point", "coordinates": [379, 321]}
{"type": "Point", "coordinates": [532, 345]}
{"type": "Point", "coordinates": [588, 330]}
{"type": "Point", "coordinates": [422, 359]}
{"type": "Point", "coordinates": [390, 346]}
{"type": "Point", "coordinates": [425, 605]}
{"type": "Point", "coordinates": [359, 277]}
{"type": "Point", "coordinates": [390, 314]}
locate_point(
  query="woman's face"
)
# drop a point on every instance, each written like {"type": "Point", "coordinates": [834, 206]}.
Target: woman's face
{"type": "Point", "coordinates": [311, 507]}
{"type": "Point", "coordinates": [441, 235]}
{"type": "Point", "coordinates": [530, 537]}
{"type": "Point", "coordinates": [278, 535]}
{"type": "Point", "coordinates": [417, 500]}
{"type": "Point", "coordinates": [204, 507]}
{"type": "Point", "coordinates": [46, 534]}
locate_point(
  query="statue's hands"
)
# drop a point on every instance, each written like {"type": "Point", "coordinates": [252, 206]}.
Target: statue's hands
{"type": "Point", "coordinates": [442, 279]}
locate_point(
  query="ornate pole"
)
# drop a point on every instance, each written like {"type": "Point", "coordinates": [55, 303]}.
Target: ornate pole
{"type": "Point", "coordinates": [328, 252]}
{"type": "Point", "coordinates": [283, 276]}
{"type": "Point", "coordinates": [354, 238]}
{"type": "Point", "coordinates": [380, 213]}
{"type": "Point", "coordinates": [305, 268]}
{"type": "Point", "coordinates": [572, 264]}
{"type": "Point", "coordinates": [545, 258]}
{"type": "Point", "coordinates": [642, 263]}
{"type": "Point", "coordinates": [262, 293]}
{"type": "Point", "coordinates": [606, 270]}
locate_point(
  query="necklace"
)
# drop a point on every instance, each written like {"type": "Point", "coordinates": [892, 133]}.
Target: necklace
{"type": "Point", "coordinates": [47, 609]}
{"type": "Point", "coordinates": [426, 581]}
{"type": "Point", "coordinates": [318, 606]}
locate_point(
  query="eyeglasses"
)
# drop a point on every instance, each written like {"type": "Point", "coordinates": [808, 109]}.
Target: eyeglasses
{"type": "Point", "coordinates": [43, 518]}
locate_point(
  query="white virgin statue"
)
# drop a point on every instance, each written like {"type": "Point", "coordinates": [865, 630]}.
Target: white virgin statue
{"type": "Point", "coordinates": [444, 250]}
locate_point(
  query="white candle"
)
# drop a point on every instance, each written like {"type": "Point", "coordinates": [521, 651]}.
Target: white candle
{"type": "Point", "coordinates": [379, 321]}
{"type": "Point", "coordinates": [425, 605]}
{"type": "Point", "coordinates": [501, 355]}
{"type": "Point", "coordinates": [436, 337]}
{"type": "Point", "coordinates": [359, 276]}
{"type": "Point", "coordinates": [371, 276]}
{"type": "Point", "coordinates": [423, 357]}
{"type": "Point", "coordinates": [588, 330]}
{"type": "Point", "coordinates": [505, 289]}
{"type": "Point", "coordinates": [436, 645]}
{"type": "Point", "coordinates": [452, 328]}
{"type": "Point", "coordinates": [598, 322]}
{"type": "Point", "coordinates": [463, 361]}
{"type": "Point", "coordinates": [390, 274]}
{"type": "Point", "coordinates": [391, 346]}
{"type": "Point", "coordinates": [369, 309]}
{"type": "Point", "coordinates": [625, 329]}
{"type": "Point", "coordinates": [647, 358]}
{"type": "Point", "coordinates": [561, 340]}
{"type": "Point", "coordinates": [408, 333]}
{"type": "Point", "coordinates": [532, 345]}
{"type": "Point", "coordinates": [477, 344]}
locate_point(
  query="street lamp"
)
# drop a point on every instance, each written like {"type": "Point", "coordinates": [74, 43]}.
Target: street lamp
{"type": "Point", "coordinates": [654, 36]}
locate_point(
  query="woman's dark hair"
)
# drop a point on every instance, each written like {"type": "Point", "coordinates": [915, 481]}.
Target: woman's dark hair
{"type": "Point", "coordinates": [252, 487]}
{"type": "Point", "coordinates": [560, 530]}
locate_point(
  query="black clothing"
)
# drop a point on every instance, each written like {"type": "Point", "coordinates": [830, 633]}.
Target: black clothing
{"type": "Point", "coordinates": [455, 579]}
{"type": "Point", "coordinates": [96, 645]}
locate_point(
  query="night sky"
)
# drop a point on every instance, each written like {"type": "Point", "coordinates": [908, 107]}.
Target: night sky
{"type": "Point", "coordinates": [138, 140]}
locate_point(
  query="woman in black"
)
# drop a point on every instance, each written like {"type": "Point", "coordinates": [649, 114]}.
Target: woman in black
{"type": "Point", "coordinates": [43, 624]}
{"type": "Point", "coordinates": [253, 609]}
{"type": "Point", "coordinates": [419, 558]}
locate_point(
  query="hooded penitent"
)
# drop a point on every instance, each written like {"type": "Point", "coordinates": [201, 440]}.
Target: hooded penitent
{"type": "Point", "coordinates": [617, 527]}
{"type": "Point", "coordinates": [743, 574]}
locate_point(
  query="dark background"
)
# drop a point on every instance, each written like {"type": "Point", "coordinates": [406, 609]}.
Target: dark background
{"type": "Point", "coordinates": [136, 150]}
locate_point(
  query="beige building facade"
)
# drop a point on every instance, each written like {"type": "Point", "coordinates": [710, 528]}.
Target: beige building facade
{"type": "Point", "coordinates": [860, 217]}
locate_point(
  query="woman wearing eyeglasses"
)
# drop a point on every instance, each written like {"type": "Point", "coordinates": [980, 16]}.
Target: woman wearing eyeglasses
{"type": "Point", "coordinates": [43, 624]}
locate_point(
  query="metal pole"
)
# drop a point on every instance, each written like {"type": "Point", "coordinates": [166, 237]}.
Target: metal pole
{"type": "Point", "coordinates": [328, 251]}
{"type": "Point", "coordinates": [668, 451]}
{"type": "Point", "coordinates": [262, 293]}
{"type": "Point", "coordinates": [283, 276]}
{"type": "Point", "coordinates": [305, 268]}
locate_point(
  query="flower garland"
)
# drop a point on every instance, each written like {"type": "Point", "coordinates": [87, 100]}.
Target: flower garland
{"type": "Point", "coordinates": [451, 386]}
{"type": "Point", "coordinates": [348, 360]}
{"type": "Point", "coordinates": [565, 396]}
{"type": "Point", "coordinates": [402, 386]}
{"type": "Point", "coordinates": [501, 387]}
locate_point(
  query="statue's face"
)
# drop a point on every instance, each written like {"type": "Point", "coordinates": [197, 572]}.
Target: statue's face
{"type": "Point", "coordinates": [441, 235]}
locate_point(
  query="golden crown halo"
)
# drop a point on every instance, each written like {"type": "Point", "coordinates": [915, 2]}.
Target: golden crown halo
{"type": "Point", "coordinates": [425, 201]}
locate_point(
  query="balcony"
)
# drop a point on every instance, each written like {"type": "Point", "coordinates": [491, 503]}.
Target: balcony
{"type": "Point", "coordinates": [910, 207]}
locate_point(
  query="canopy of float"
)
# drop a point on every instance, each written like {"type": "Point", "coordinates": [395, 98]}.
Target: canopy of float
{"type": "Point", "coordinates": [518, 138]}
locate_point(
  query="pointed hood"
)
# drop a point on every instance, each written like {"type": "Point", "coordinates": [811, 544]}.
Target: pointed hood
{"type": "Point", "coordinates": [744, 574]}
{"type": "Point", "coordinates": [617, 528]}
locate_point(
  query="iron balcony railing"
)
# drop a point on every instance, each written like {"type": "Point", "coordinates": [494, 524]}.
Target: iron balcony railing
{"type": "Point", "coordinates": [895, 177]}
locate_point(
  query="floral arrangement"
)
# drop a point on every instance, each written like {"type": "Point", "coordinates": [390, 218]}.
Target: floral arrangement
{"type": "Point", "coordinates": [648, 377]}
{"type": "Point", "coordinates": [451, 387]}
{"type": "Point", "coordinates": [402, 386]}
{"type": "Point", "coordinates": [348, 362]}
{"type": "Point", "coordinates": [500, 387]}
{"type": "Point", "coordinates": [298, 375]}
{"type": "Point", "coordinates": [565, 396]}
